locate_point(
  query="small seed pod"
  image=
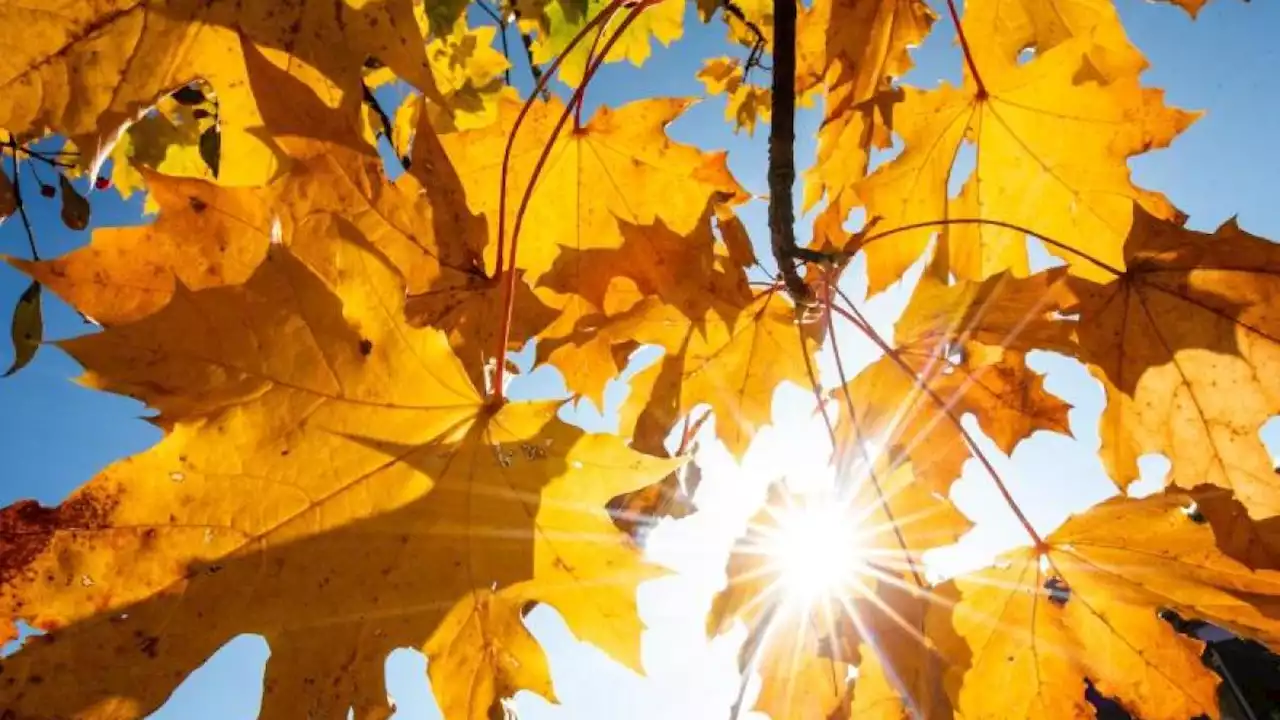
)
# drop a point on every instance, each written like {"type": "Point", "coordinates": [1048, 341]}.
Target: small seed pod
{"type": "Point", "coordinates": [75, 208]}
{"type": "Point", "coordinates": [8, 196]}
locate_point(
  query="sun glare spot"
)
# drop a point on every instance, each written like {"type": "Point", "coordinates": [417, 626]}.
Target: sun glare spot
{"type": "Point", "coordinates": [815, 550]}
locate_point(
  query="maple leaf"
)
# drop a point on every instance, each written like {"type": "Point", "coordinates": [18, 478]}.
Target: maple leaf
{"type": "Point", "coordinates": [803, 647]}
{"type": "Point", "coordinates": [166, 141]}
{"type": "Point", "coordinates": [204, 236]}
{"type": "Point", "coordinates": [732, 363]}
{"type": "Point", "coordinates": [797, 681]}
{"type": "Point", "coordinates": [725, 345]}
{"type": "Point", "coordinates": [1051, 147]}
{"type": "Point", "coordinates": [636, 513]}
{"type": "Point", "coordinates": [959, 349]}
{"type": "Point", "coordinates": [376, 495]}
{"type": "Point", "coordinates": [557, 22]}
{"type": "Point", "coordinates": [1191, 6]}
{"type": "Point", "coordinates": [852, 50]}
{"type": "Point", "coordinates": [1009, 30]}
{"type": "Point", "coordinates": [80, 74]}
{"type": "Point", "coordinates": [469, 73]}
{"type": "Point", "coordinates": [658, 278]}
{"type": "Point", "coordinates": [207, 235]}
{"type": "Point", "coordinates": [1086, 608]}
{"type": "Point", "coordinates": [618, 169]}
{"type": "Point", "coordinates": [749, 23]}
{"type": "Point", "coordinates": [746, 103]}
{"type": "Point", "coordinates": [1181, 341]}
{"type": "Point", "coordinates": [428, 233]}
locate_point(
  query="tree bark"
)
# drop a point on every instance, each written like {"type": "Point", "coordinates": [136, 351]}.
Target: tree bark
{"type": "Point", "coordinates": [782, 161]}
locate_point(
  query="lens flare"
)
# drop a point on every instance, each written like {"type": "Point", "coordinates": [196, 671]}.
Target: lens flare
{"type": "Point", "coordinates": [814, 550]}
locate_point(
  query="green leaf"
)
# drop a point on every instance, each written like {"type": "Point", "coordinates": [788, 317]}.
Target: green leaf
{"type": "Point", "coordinates": [27, 329]}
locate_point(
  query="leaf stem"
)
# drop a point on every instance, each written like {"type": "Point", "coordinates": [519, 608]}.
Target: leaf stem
{"type": "Point", "coordinates": [526, 40]}
{"type": "Point", "coordinates": [782, 161]}
{"type": "Point", "coordinates": [45, 158]}
{"type": "Point", "coordinates": [17, 195]}
{"type": "Point", "coordinates": [815, 256]}
{"type": "Point", "coordinates": [867, 460]}
{"type": "Point", "coordinates": [859, 321]}
{"type": "Point", "coordinates": [591, 54]}
{"type": "Point", "coordinates": [372, 103]}
{"type": "Point", "coordinates": [501, 22]}
{"type": "Point", "coordinates": [690, 431]}
{"type": "Point", "coordinates": [758, 44]}
{"type": "Point", "coordinates": [509, 287]}
{"type": "Point", "coordinates": [968, 54]}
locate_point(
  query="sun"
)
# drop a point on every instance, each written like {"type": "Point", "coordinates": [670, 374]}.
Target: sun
{"type": "Point", "coordinates": [814, 549]}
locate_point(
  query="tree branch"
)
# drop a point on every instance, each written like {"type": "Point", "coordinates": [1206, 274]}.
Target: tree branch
{"type": "Point", "coordinates": [501, 24]}
{"type": "Point", "coordinates": [527, 40]}
{"type": "Point", "coordinates": [758, 45]}
{"type": "Point", "coordinates": [17, 194]}
{"type": "Point", "coordinates": [782, 161]}
{"type": "Point", "coordinates": [968, 54]}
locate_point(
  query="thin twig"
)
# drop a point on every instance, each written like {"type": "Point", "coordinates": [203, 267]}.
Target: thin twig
{"type": "Point", "coordinates": [867, 460]}
{"type": "Point", "coordinates": [591, 53]}
{"type": "Point", "coordinates": [538, 74]}
{"type": "Point", "coordinates": [759, 43]}
{"type": "Point", "coordinates": [691, 429]}
{"type": "Point", "coordinates": [45, 158]}
{"type": "Point", "coordinates": [968, 54]}
{"type": "Point", "coordinates": [810, 255]}
{"type": "Point", "coordinates": [502, 33]}
{"type": "Point", "coordinates": [383, 119]}
{"type": "Point", "coordinates": [17, 194]}
{"type": "Point", "coordinates": [856, 317]}
{"type": "Point", "coordinates": [752, 647]}
{"type": "Point", "coordinates": [782, 161]}
{"type": "Point", "coordinates": [509, 287]}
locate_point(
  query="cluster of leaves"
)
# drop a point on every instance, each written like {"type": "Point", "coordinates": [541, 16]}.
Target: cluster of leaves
{"type": "Point", "coordinates": [326, 351]}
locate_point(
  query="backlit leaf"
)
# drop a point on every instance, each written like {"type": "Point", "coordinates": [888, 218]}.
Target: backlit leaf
{"type": "Point", "coordinates": [1052, 142]}
{"type": "Point", "coordinates": [427, 494]}
{"type": "Point", "coordinates": [1184, 342]}
{"type": "Point", "coordinates": [26, 328]}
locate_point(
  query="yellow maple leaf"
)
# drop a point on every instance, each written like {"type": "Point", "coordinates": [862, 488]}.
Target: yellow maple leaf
{"type": "Point", "coordinates": [1182, 342]}
{"type": "Point", "coordinates": [658, 278]}
{"type": "Point", "coordinates": [745, 103]}
{"type": "Point", "coordinates": [618, 169]}
{"type": "Point", "coordinates": [805, 637]}
{"type": "Point", "coordinates": [556, 22]}
{"type": "Point", "coordinates": [851, 50]}
{"type": "Point", "coordinates": [1007, 32]}
{"type": "Point", "coordinates": [328, 466]}
{"type": "Point", "coordinates": [469, 73]}
{"type": "Point", "coordinates": [1052, 146]}
{"type": "Point", "coordinates": [166, 141]}
{"type": "Point", "coordinates": [1087, 607]}
{"type": "Point", "coordinates": [207, 235]}
{"type": "Point", "coordinates": [959, 349]}
{"type": "Point", "coordinates": [204, 236]}
{"type": "Point", "coordinates": [635, 513]}
{"type": "Point", "coordinates": [732, 361]}
{"type": "Point", "coordinates": [77, 71]}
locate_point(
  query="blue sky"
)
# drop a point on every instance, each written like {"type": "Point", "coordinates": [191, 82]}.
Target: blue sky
{"type": "Point", "coordinates": [54, 434]}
